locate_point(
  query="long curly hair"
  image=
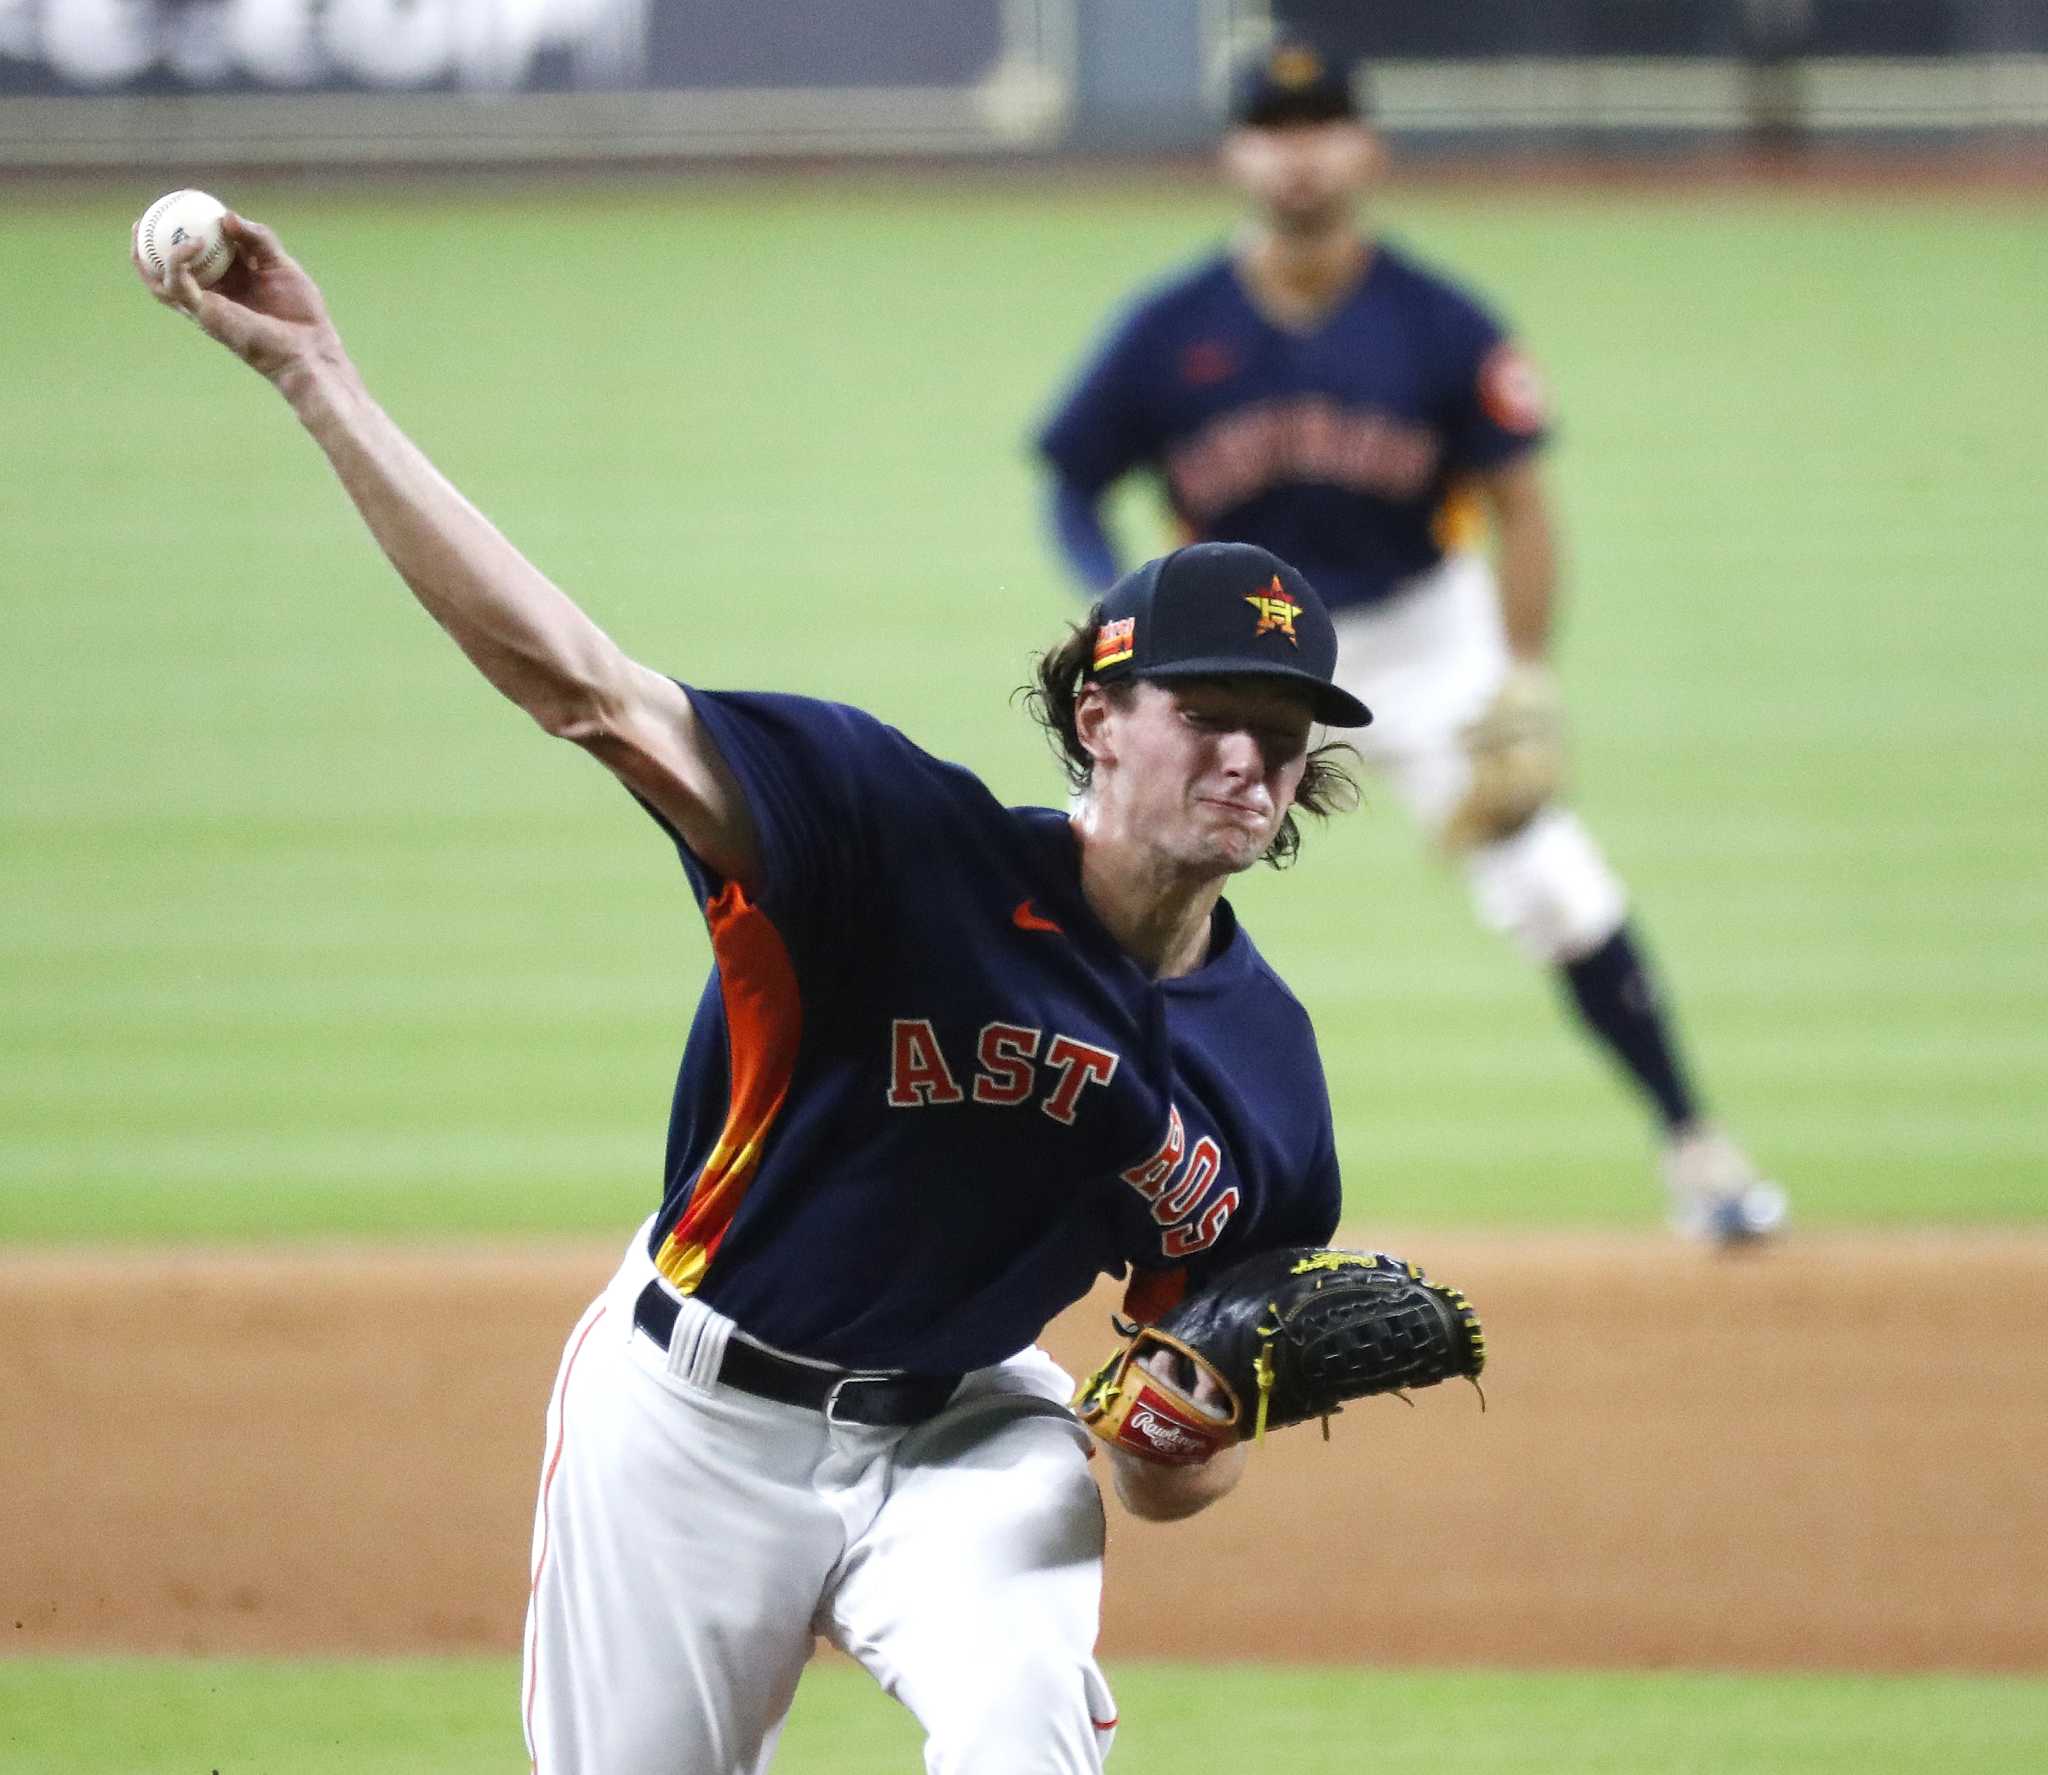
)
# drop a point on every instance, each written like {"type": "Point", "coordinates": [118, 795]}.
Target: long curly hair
{"type": "Point", "coordinates": [1065, 669]}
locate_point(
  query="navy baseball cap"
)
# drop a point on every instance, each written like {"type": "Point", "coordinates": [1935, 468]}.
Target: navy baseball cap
{"type": "Point", "coordinates": [1223, 609]}
{"type": "Point", "coordinates": [1292, 81]}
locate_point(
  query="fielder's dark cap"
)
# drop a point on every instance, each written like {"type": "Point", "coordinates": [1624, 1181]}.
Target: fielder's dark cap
{"type": "Point", "coordinates": [1292, 81]}
{"type": "Point", "coordinates": [1223, 609]}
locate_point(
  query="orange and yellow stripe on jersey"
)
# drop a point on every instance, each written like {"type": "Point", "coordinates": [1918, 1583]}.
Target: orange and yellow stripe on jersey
{"type": "Point", "coordinates": [764, 1024]}
{"type": "Point", "coordinates": [1460, 521]}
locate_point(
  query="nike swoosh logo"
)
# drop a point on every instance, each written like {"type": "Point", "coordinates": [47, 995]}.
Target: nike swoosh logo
{"type": "Point", "coordinates": [1027, 920]}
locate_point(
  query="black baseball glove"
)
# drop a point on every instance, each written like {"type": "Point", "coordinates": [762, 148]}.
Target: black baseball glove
{"type": "Point", "coordinates": [1280, 1338]}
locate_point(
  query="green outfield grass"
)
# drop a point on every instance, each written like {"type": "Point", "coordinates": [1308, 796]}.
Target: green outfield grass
{"type": "Point", "coordinates": [302, 931]}
{"type": "Point", "coordinates": [146, 1717]}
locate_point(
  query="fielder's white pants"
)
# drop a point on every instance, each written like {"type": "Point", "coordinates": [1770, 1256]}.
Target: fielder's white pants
{"type": "Point", "coordinates": [1427, 662]}
{"type": "Point", "coordinates": [690, 1542]}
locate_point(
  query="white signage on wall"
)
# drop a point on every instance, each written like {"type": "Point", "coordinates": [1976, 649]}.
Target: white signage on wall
{"type": "Point", "coordinates": [474, 45]}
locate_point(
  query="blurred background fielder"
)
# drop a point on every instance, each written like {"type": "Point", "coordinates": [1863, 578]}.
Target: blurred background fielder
{"type": "Point", "coordinates": [1315, 390]}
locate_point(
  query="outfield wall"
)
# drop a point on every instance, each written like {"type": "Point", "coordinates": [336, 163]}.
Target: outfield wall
{"type": "Point", "coordinates": [285, 83]}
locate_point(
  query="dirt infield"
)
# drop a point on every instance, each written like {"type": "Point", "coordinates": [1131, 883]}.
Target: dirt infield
{"type": "Point", "coordinates": [1826, 1456]}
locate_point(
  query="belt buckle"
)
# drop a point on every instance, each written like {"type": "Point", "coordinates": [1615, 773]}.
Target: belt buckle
{"type": "Point", "coordinates": [838, 1388]}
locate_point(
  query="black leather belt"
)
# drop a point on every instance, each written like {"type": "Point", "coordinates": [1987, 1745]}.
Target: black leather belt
{"type": "Point", "coordinates": [847, 1395]}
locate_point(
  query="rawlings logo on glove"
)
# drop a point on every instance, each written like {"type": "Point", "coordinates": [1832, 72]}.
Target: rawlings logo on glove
{"type": "Point", "coordinates": [1279, 1339]}
{"type": "Point", "coordinates": [1163, 1438]}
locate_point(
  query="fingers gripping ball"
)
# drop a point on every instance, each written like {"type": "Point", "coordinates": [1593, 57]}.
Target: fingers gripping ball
{"type": "Point", "coordinates": [179, 216]}
{"type": "Point", "coordinates": [1285, 1337]}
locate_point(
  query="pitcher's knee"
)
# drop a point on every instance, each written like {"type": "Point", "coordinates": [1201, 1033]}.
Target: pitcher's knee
{"type": "Point", "coordinates": [1037, 1715]}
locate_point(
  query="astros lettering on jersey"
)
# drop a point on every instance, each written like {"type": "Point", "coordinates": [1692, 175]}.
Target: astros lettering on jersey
{"type": "Point", "coordinates": [1342, 449]}
{"type": "Point", "coordinates": [928, 1098]}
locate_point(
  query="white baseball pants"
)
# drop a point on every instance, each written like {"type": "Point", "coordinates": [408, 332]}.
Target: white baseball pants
{"type": "Point", "coordinates": [1427, 662]}
{"type": "Point", "coordinates": [690, 1542]}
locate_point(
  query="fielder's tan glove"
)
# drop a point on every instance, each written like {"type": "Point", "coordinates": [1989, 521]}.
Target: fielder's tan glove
{"type": "Point", "coordinates": [1517, 753]}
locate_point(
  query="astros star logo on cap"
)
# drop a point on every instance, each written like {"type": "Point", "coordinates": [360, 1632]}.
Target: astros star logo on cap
{"type": "Point", "coordinates": [1276, 611]}
{"type": "Point", "coordinates": [1295, 65]}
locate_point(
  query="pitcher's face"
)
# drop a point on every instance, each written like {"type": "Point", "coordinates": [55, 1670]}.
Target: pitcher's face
{"type": "Point", "coordinates": [1204, 769]}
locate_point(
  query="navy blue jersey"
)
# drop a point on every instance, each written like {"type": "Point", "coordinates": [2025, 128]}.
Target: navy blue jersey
{"type": "Point", "coordinates": [1341, 447]}
{"type": "Point", "coordinates": [928, 1098]}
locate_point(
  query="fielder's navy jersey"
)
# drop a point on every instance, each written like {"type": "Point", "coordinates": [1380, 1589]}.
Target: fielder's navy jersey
{"type": "Point", "coordinates": [1340, 447]}
{"type": "Point", "coordinates": [927, 1098]}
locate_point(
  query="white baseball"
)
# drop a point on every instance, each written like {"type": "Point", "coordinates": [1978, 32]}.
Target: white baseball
{"type": "Point", "coordinates": [179, 216]}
